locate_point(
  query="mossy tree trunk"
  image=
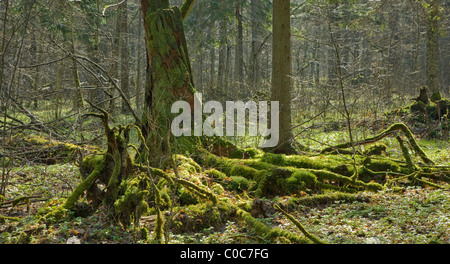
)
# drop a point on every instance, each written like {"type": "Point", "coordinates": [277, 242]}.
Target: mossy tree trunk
{"type": "Point", "coordinates": [169, 77]}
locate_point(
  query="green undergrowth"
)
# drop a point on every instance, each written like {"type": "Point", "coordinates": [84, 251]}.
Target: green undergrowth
{"type": "Point", "coordinates": [248, 197]}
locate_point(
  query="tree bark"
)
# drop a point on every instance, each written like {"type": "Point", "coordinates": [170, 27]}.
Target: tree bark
{"type": "Point", "coordinates": [169, 77]}
{"type": "Point", "coordinates": [239, 56]}
{"type": "Point", "coordinates": [281, 71]}
{"type": "Point", "coordinates": [78, 101]}
{"type": "Point", "coordinates": [432, 50]}
{"type": "Point", "coordinates": [212, 56]}
{"type": "Point", "coordinates": [256, 42]}
{"type": "Point", "coordinates": [124, 65]}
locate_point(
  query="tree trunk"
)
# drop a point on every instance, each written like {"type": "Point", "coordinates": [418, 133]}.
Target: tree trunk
{"type": "Point", "coordinates": [114, 66]}
{"type": "Point", "coordinates": [256, 42]}
{"type": "Point", "coordinates": [59, 82]}
{"type": "Point", "coordinates": [432, 43]}
{"type": "Point", "coordinates": [281, 71]}
{"type": "Point", "coordinates": [138, 87]}
{"type": "Point", "coordinates": [221, 74]}
{"type": "Point", "coordinates": [78, 101]}
{"type": "Point", "coordinates": [239, 56]}
{"type": "Point", "coordinates": [37, 76]}
{"type": "Point", "coordinates": [124, 67]}
{"type": "Point", "coordinates": [212, 56]}
{"type": "Point", "coordinates": [169, 77]}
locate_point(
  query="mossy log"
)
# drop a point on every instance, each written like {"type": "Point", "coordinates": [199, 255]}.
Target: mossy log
{"type": "Point", "coordinates": [43, 150]}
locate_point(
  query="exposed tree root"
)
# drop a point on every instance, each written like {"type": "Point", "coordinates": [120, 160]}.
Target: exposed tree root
{"type": "Point", "coordinates": [3, 219]}
{"type": "Point", "coordinates": [299, 225]}
{"type": "Point", "coordinates": [130, 190]}
{"type": "Point", "coordinates": [390, 131]}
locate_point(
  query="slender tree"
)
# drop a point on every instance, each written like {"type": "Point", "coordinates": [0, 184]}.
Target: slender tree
{"type": "Point", "coordinates": [239, 55]}
{"type": "Point", "coordinates": [432, 44]}
{"type": "Point", "coordinates": [124, 56]}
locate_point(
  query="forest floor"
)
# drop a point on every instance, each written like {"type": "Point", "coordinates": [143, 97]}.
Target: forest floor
{"type": "Point", "coordinates": [417, 215]}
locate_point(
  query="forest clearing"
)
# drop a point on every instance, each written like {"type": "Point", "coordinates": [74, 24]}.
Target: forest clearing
{"type": "Point", "coordinates": [100, 140]}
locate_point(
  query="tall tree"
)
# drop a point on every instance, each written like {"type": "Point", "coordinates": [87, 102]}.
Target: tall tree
{"type": "Point", "coordinates": [124, 65]}
{"type": "Point", "coordinates": [432, 44]}
{"type": "Point", "coordinates": [239, 55]}
{"type": "Point", "coordinates": [169, 77]}
{"type": "Point", "coordinates": [256, 42]}
{"type": "Point", "coordinates": [281, 72]}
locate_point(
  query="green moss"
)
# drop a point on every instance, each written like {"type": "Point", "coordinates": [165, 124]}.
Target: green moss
{"type": "Point", "coordinates": [52, 212]}
{"type": "Point", "coordinates": [258, 164]}
{"type": "Point", "coordinates": [198, 190]}
{"type": "Point", "coordinates": [271, 234]}
{"type": "Point", "coordinates": [186, 197]}
{"type": "Point", "coordinates": [304, 162]}
{"type": "Point", "coordinates": [373, 186]}
{"type": "Point", "coordinates": [132, 200]}
{"type": "Point", "coordinates": [4, 219]}
{"type": "Point", "coordinates": [194, 218]}
{"type": "Point", "coordinates": [257, 226]}
{"type": "Point", "coordinates": [301, 180]}
{"type": "Point", "coordinates": [239, 184]}
{"type": "Point", "coordinates": [343, 169]}
{"type": "Point", "coordinates": [95, 163]}
{"type": "Point", "coordinates": [323, 199]}
{"type": "Point", "coordinates": [275, 159]}
{"type": "Point", "coordinates": [323, 175]}
{"type": "Point", "coordinates": [215, 174]}
{"type": "Point", "coordinates": [244, 171]}
{"type": "Point", "coordinates": [406, 154]}
{"type": "Point", "coordinates": [382, 164]}
{"type": "Point", "coordinates": [375, 149]}
{"type": "Point", "coordinates": [299, 225]}
{"type": "Point", "coordinates": [246, 153]}
{"type": "Point", "coordinates": [187, 163]}
{"type": "Point", "coordinates": [217, 189]}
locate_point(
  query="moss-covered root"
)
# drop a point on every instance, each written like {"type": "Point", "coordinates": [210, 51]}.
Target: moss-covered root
{"type": "Point", "coordinates": [391, 130]}
{"type": "Point", "coordinates": [299, 225]}
{"type": "Point", "coordinates": [267, 232]}
{"type": "Point", "coordinates": [406, 154]}
{"type": "Point", "coordinates": [321, 199]}
{"type": "Point", "coordinates": [97, 165]}
{"type": "Point", "coordinates": [198, 191]}
{"type": "Point", "coordinates": [159, 227]}
{"type": "Point", "coordinates": [3, 219]}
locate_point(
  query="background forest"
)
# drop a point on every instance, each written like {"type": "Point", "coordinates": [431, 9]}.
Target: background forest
{"type": "Point", "coordinates": [357, 66]}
